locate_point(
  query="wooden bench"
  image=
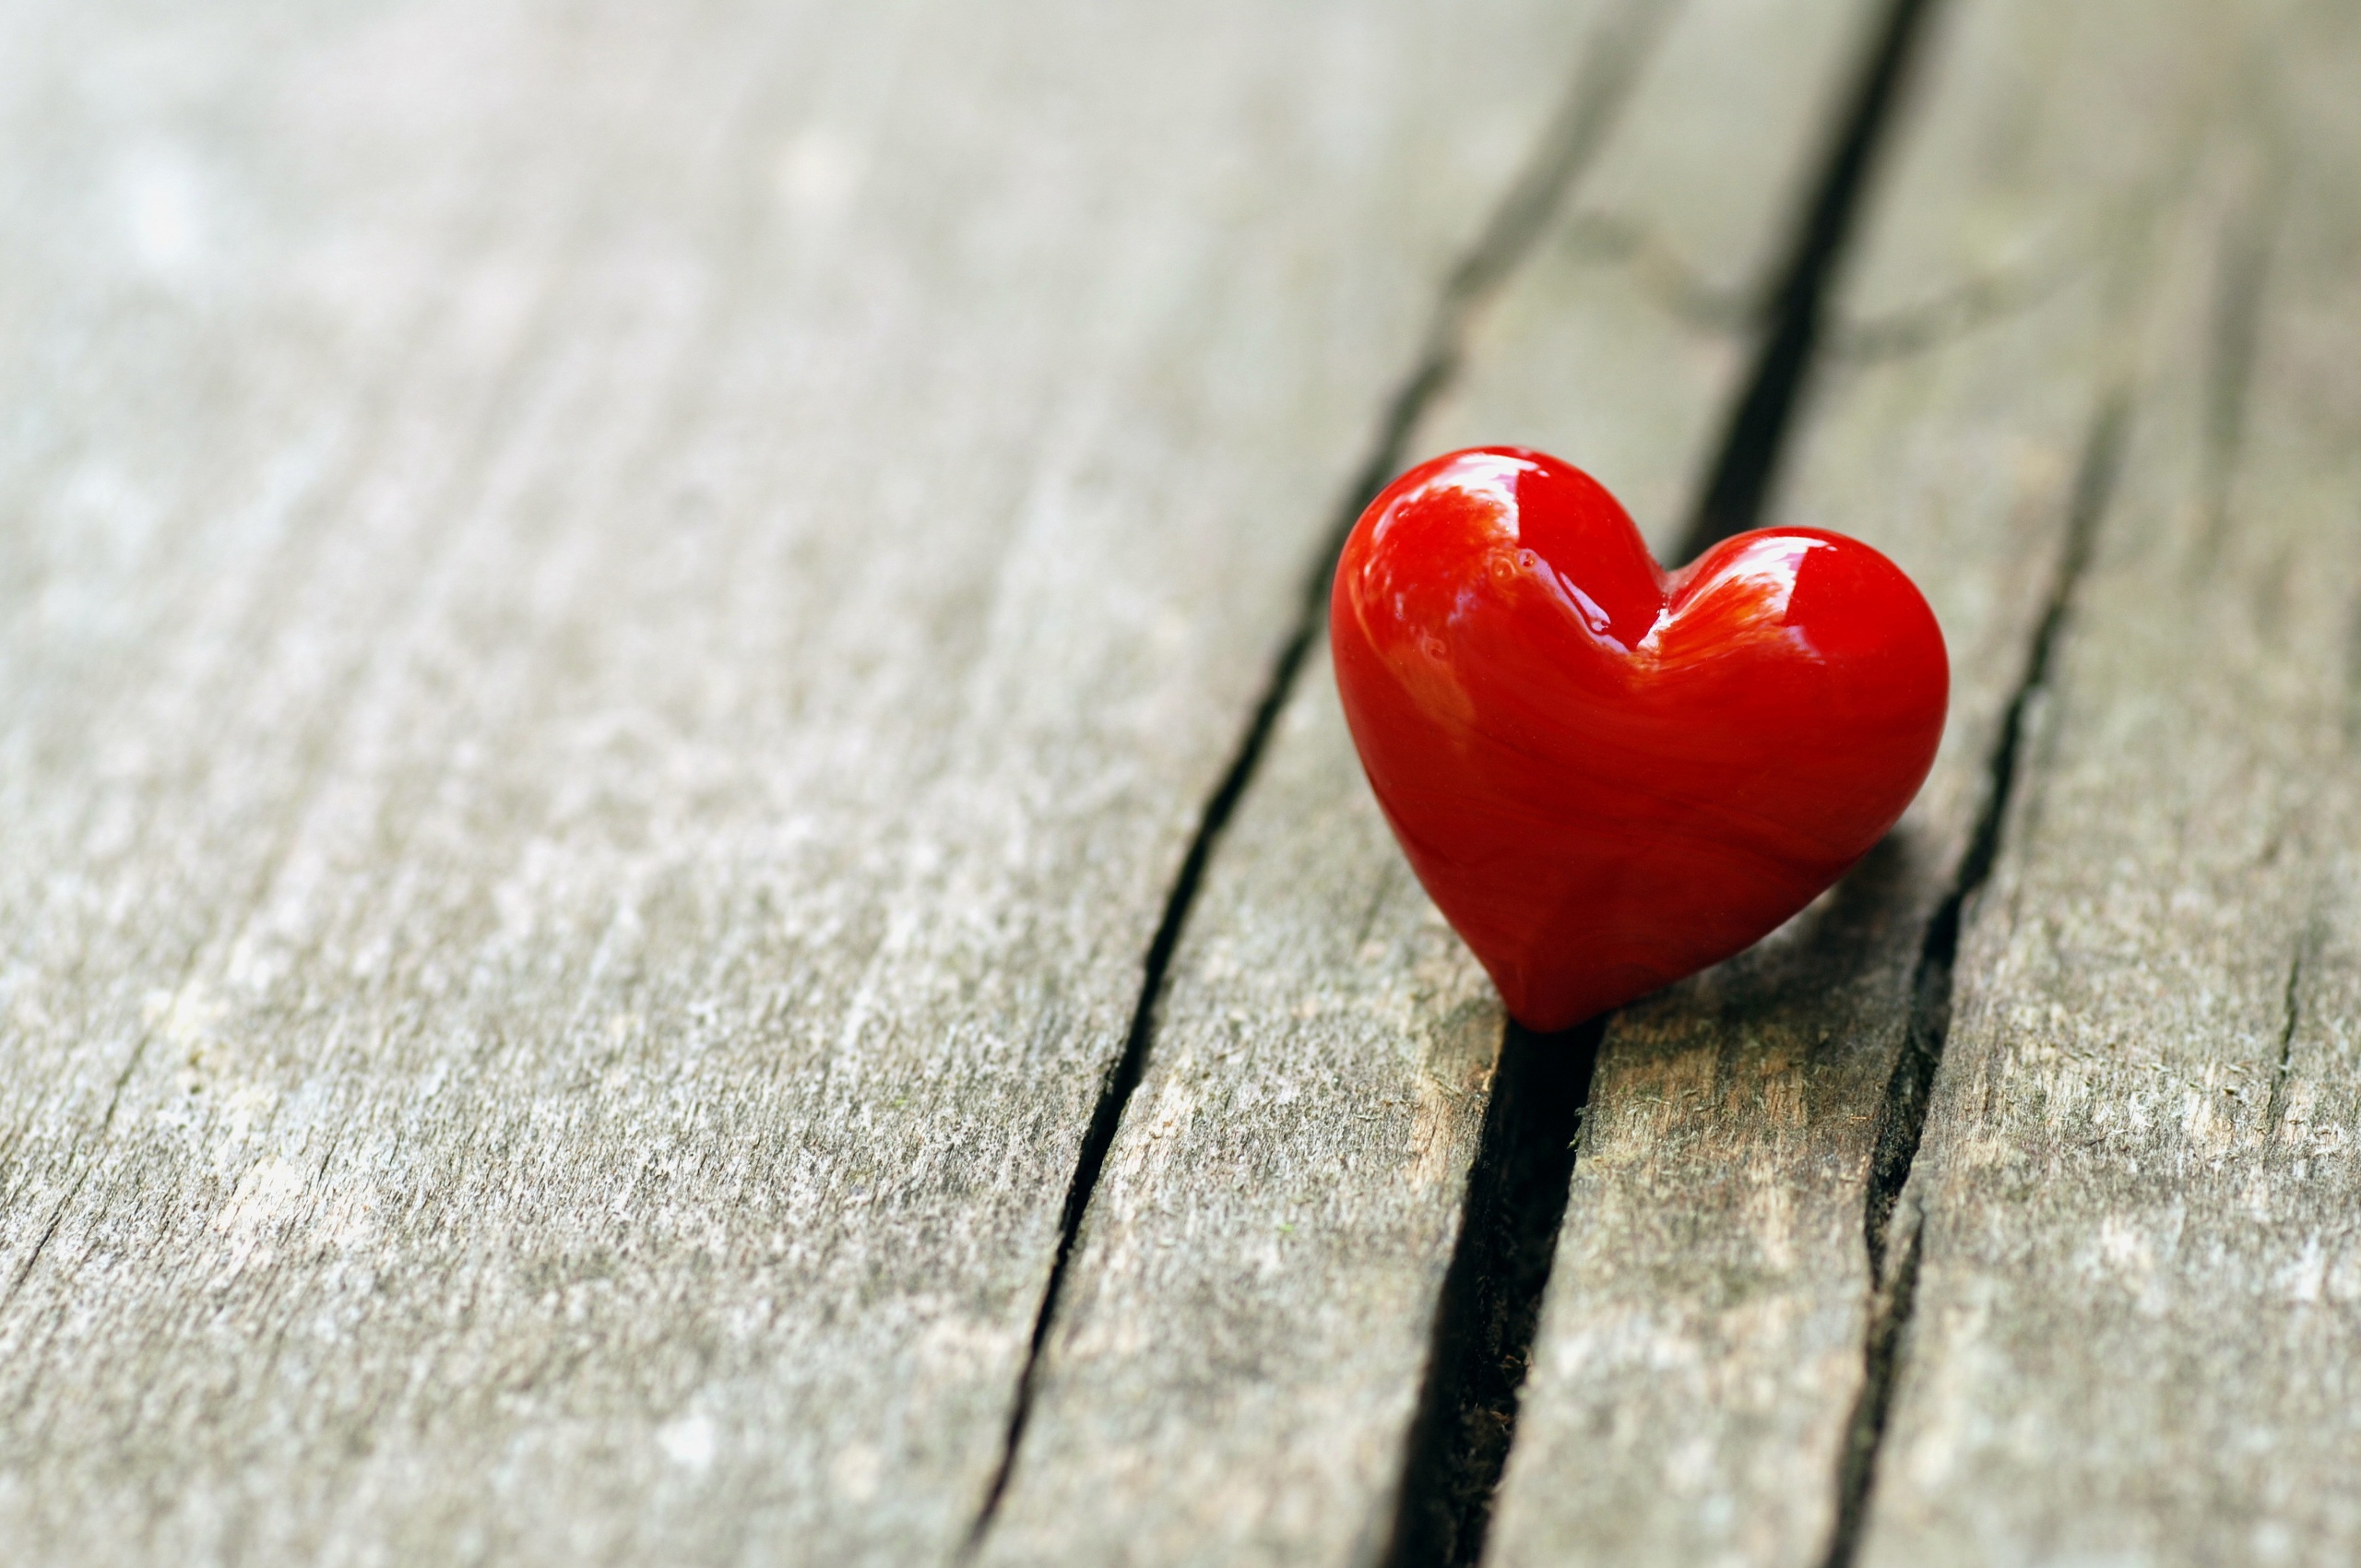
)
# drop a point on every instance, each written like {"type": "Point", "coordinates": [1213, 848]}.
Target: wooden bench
{"type": "Point", "coordinates": [681, 883]}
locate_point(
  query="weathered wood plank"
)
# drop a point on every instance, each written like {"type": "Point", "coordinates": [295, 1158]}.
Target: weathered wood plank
{"type": "Point", "coordinates": [2139, 1257]}
{"type": "Point", "coordinates": [1234, 1369]}
{"type": "Point", "coordinates": [1700, 1360]}
{"type": "Point", "coordinates": [615, 621]}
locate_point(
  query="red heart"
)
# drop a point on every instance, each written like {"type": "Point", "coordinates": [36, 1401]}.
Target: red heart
{"type": "Point", "coordinates": [1608, 776]}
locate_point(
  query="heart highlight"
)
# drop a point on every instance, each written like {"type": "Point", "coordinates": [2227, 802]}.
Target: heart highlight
{"type": "Point", "coordinates": [1606, 775]}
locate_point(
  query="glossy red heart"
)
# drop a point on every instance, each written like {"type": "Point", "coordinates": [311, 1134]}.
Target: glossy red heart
{"type": "Point", "coordinates": [1608, 776]}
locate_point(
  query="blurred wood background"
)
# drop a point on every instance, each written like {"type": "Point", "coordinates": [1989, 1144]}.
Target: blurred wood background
{"type": "Point", "coordinates": [680, 883]}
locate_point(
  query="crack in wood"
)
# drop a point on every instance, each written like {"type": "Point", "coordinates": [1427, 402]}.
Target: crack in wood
{"type": "Point", "coordinates": [1610, 68]}
{"type": "Point", "coordinates": [2291, 1014]}
{"type": "Point", "coordinates": [1902, 1116]}
{"type": "Point", "coordinates": [1746, 460]}
{"type": "Point", "coordinates": [1909, 1091]}
{"type": "Point", "coordinates": [1675, 285]}
{"type": "Point", "coordinates": [1979, 301]}
{"type": "Point", "coordinates": [1889, 1310]}
{"type": "Point", "coordinates": [1520, 1183]}
{"type": "Point", "coordinates": [1490, 1308]}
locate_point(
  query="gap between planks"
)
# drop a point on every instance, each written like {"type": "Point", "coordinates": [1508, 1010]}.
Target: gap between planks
{"type": "Point", "coordinates": [1903, 1113]}
{"type": "Point", "coordinates": [1466, 1424]}
{"type": "Point", "coordinates": [1584, 117]}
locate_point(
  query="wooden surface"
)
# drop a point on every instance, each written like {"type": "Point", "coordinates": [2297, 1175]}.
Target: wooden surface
{"type": "Point", "coordinates": [2139, 1287]}
{"type": "Point", "coordinates": [617, 619]}
{"type": "Point", "coordinates": [618, 629]}
{"type": "Point", "coordinates": [1702, 1361]}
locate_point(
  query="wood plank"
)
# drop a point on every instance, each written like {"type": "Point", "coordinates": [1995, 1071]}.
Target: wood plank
{"type": "Point", "coordinates": [1237, 1359]}
{"type": "Point", "coordinates": [2138, 1284]}
{"type": "Point", "coordinates": [1700, 1364]}
{"type": "Point", "coordinates": [615, 622]}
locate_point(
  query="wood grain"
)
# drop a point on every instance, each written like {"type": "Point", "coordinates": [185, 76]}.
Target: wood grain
{"type": "Point", "coordinates": [2139, 1280]}
{"type": "Point", "coordinates": [1234, 1371]}
{"type": "Point", "coordinates": [1700, 1365]}
{"type": "Point", "coordinates": [615, 621]}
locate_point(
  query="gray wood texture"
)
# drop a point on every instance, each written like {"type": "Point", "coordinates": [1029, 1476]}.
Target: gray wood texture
{"type": "Point", "coordinates": [1238, 1355]}
{"type": "Point", "coordinates": [1700, 1364]}
{"type": "Point", "coordinates": [615, 621]}
{"type": "Point", "coordinates": [2138, 1243]}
